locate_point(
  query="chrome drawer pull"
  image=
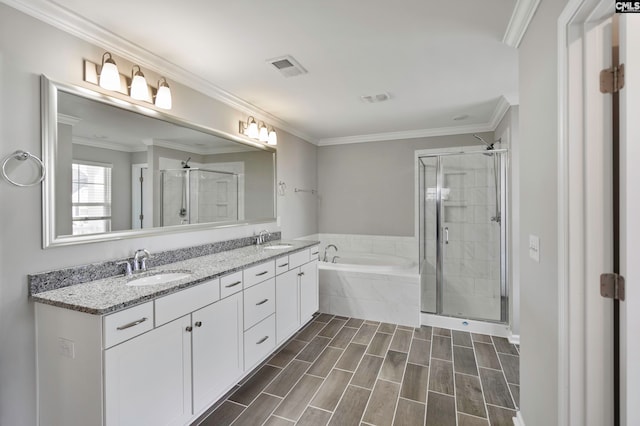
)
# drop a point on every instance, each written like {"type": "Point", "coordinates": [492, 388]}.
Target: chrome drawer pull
{"type": "Point", "coordinates": [313, 254]}
{"type": "Point", "coordinates": [198, 324]}
{"type": "Point", "coordinates": [262, 273]}
{"type": "Point", "coordinates": [283, 265]}
{"type": "Point", "coordinates": [262, 302]}
{"type": "Point", "coordinates": [132, 324]}
{"type": "Point", "coordinates": [261, 341]}
{"type": "Point", "coordinates": [300, 274]}
{"type": "Point", "coordinates": [233, 284]}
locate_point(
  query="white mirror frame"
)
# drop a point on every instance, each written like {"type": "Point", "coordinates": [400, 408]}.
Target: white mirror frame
{"type": "Point", "coordinates": [49, 111]}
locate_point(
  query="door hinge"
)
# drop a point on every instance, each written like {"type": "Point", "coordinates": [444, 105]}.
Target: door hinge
{"type": "Point", "coordinates": [141, 179]}
{"type": "Point", "coordinates": [612, 286]}
{"type": "Point", "coordinates": [141, 217]}
{"type": "Point", "coordinates": [612, 79]}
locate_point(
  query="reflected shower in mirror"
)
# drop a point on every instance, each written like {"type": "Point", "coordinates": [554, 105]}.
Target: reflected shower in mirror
{"type": "Point", "coordinates": [119, 172]}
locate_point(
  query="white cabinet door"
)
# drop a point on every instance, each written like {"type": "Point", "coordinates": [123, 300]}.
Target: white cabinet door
{"type": "Point", "coordinates": [287, 315]}
{"type": "Point", "coordinates": [148, 378]}
{"type": "Point", "coordinates": [308, 290]}
{"type": "Point", "coordinates": [217, 350]}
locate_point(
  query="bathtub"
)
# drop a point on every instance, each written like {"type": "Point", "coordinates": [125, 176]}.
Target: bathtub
{"type": "Point", "coordinates": [373, 286]}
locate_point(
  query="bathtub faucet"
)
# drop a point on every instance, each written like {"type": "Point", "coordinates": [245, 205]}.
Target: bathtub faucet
{"type": "Point", "coordinates": [325, 258]}
{"type": "Point", "coordinates": [334, 259]}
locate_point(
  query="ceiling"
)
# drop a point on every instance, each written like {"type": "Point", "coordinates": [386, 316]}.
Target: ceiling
{"type": "Point", "coordinates": [436, 59]}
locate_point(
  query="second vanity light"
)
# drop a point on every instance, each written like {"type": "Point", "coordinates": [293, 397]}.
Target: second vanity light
{"type": "Point", "coordinates": [108, 77]}
{"type": "Point", "coordinates": [252, 129]}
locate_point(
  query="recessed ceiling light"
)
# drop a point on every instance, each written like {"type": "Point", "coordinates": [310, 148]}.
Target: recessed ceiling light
{"type": "Point", "coordinates": [461, 117]}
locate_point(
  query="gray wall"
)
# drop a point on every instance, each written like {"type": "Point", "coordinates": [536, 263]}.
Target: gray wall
{"type": "Point", "coordinates": [539, 216]}
{"type": "Point", "coordinates": [29, 48]}
{"type": "Point", "coordinates": [120, 181]}
{"type": "Point", "coordinates": [368, 188]}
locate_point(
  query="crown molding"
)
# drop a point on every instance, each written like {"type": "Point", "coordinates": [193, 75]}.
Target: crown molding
{"type": "Point", "coordinates": [498, 113]}
{"type": "Point", "coordinates": [520, 18]}
{"type": "Point", "coordinates": [68, 119]}
{"type": "Point", "coordinates": [74, 24]}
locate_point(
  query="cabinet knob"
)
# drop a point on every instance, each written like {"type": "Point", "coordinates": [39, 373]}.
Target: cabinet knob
{"type": "Point", "coordinates": [198, 324]}
{"type": "Point", "coordinates": [189, 328]}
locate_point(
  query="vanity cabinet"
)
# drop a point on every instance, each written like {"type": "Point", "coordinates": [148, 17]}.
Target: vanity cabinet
{"type": "Point", "coordinates": [147, 380]}
{"type": "Point", "coordinates": [218, 350]}
{"type": "Point", "coordinates": [296, 291]}
{"type": "Point", "coordinates": [165, 361]}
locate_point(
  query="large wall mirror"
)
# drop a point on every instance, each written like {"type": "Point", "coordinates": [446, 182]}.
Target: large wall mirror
{"type": "Point", "coordinates": [117, 170]}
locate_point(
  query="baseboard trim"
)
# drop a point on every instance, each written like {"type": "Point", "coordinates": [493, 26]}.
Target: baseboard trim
{"type": "Point", "coordinates": [515, 339]}
{"type": "Point", "coordinates": [518, 420]}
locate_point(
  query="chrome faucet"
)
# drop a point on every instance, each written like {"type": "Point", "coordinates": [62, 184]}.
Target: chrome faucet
{"type": "Point", "coordinates": [262, 237]}
{"type": "Point", "coordinates": [334, 259]}
{"type": "Point", "coordinates": [140, 260]}
{"type": "Point", "coordinates": [325, 258]}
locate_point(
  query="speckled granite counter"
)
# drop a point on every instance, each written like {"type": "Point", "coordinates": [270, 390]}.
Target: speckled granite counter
{"type": "Point", "coordinates": [112, 294]}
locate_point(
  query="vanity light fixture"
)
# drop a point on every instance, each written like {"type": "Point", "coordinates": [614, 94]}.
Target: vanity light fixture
{"type": "Point", "coordinates": [273, 137]}
{"type": "Point", "coordinates": [109, 75]}
{"type": "Point", "coordinates": [139, 88]}
{"type": "Point", "coordinates": [263, 135]}
{"type": "Point", "coordinates": [133, 85]}
{"type": "Point", "coordinates": [261, 132]}
{"type": "Point", "coordinates": [163, 96]}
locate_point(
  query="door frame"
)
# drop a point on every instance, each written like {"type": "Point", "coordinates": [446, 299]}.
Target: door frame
{"type": "Point", "coordinates": [574, 68]}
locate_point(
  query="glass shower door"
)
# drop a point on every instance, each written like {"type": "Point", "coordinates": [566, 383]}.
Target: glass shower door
{"type": "Point", "coordinates": [471, 236]}
{"type": "Point", "coordinates": [428, 234]}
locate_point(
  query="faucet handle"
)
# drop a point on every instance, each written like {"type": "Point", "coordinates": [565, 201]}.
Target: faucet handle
{"type": "Point", "coordinates": [127, 269]}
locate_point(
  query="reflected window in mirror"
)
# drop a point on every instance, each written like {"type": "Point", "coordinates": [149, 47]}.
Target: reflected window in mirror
{"type": "Point", "coordinates": [90, 198]}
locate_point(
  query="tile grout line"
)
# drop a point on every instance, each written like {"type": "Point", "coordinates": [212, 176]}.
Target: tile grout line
{"type": "Point", "coordinates": [395, 409]}
{"type": "Point", "coordinates": [455, 386]}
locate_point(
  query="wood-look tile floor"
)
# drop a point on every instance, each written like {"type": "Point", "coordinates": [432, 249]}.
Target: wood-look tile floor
{"type": "Point", "coordinates": [347, 371]}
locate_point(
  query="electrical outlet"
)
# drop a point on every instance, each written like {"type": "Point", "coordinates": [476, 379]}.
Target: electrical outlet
{"type": "Point", "coordinates": [534, 248]}
{"type": "Point", "coordinates": [67, 348]}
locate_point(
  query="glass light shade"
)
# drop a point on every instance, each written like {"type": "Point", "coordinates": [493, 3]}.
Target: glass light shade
{"type": "Point", "coordinates": [163, 97]}
{"type": "Point", "coordinates": [252, 130]}
{"type": "Point", "coordinates": [109, 75]}
{"type": "Point", "coordinates": [273, 137]}
{"type": "Point", "coordinates": [139, 89]}
{"type": "Point", "coordinates": [264, 133]}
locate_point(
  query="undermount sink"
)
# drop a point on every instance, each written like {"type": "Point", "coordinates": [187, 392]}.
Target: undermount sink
{"type": "Point", "coordinates": [161, 277]}
{"type": "Point", "coordinates": [278, 246]}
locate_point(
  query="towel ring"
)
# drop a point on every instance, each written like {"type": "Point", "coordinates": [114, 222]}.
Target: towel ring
{"type": "Point", "coordinates": [23, 156]}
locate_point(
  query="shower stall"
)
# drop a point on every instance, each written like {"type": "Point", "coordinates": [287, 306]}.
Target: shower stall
{"type": "Point", "coordinates": [197, 195]}
{"type": "Point", "coordinates": [462, 228]}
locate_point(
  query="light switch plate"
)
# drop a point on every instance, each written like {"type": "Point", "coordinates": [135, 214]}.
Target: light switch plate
{"type": "Point", "coordinates": [534, 247]}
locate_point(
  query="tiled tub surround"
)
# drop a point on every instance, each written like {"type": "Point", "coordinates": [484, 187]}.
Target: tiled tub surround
{"type": "Point", "coordinates": [60, 278]}
{"type": "Point", "coordinates": [377, 293]}
{"type": "Point", "coordinates": [112, 354]}
{"type": "Point", "coordinates": [377, 244]}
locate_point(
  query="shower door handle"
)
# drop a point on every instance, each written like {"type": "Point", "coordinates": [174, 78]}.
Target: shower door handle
{"type": "Point", "coordinates": [446, 235]}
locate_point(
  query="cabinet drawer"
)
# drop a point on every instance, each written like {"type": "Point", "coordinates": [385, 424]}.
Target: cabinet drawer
{"type": "Point", "coordinates": [126, 324]}
{"type": "Point", "coordinates": [282, 264]}
{"type": "Point", "coordinates": [186, 301]}
{"type": "Point", "coordinates": [259, 302]}
{"type": "Point", "coordinates": [258, 273]}
{"type": "Point", "coordinates": [259, 341]}
{"type": "Point", "coordinates": [230, 284]}
{"type": "Point", "coordinates": [298, 258]}
{"type": "Point", "coordinates": [314, 253]}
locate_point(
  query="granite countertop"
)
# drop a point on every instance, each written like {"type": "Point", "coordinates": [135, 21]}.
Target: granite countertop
{"type": "Point", "coordinates": [112, 294]}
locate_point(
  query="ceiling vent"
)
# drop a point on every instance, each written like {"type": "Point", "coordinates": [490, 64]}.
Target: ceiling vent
{"type": "Point", "coordinates": [287, 66]}
{"type": "Point", "coordinates": [372, 99]}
